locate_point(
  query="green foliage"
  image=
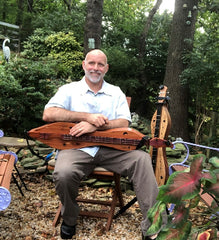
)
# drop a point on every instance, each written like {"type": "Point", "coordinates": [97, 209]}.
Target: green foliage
{"type": "Point", "coordinates": [35, 46]}
{"type": "Point", "coordinates": [202, 73]}
{"type": "Point", "coordinates": [64, 48]}
{"type": "Point", "coordinates": [183, 189]}
{"type": "Point", "coordinates": [11, 99]}
{"type": "Point", "coordinates": [60, 48]}
{"type": "Point", "coordinates": [28, 83]}
{"type": "Point", "coordinates": [58, 20]}
{"type": "Point", "coordinates": [24, 94]}
{"type": "Point", "coordinates": [8, 10]}
{"type": "Point", "coordinates": [122, 71]}
{"type": "Point", "coordinates": [121, 43]}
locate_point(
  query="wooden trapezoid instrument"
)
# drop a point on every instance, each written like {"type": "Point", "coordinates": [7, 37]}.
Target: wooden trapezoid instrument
{"type": "Point", "coordinates": [160, 126]}
{"type": "Point", "coordinates": [57, 135]}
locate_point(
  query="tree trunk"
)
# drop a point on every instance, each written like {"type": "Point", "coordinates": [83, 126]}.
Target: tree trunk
{"type": "Point", "coordinates": [20, 11]}
{"type": "Point", "coordinates": [4, 10]}
{"type": "Point", "coordinates": [93, 25]}
{"type": "Point", "coordinates": [142, 42]}
{"type": "Point", "coordinates": [68, 4]}
{"type": "Point", "coordinates": [30, 6]}
{"type": "Point", "coordinates": [181, 42]}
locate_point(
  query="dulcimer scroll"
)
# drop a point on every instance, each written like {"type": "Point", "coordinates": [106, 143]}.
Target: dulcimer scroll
{"type": "Point", "coordinates": [160, 126]}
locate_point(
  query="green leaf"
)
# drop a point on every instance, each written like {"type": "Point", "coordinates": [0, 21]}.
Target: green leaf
{"type": "Point", "coordinates": [214, 161]}
{"type": "Point", "coordinates": [176, 234]}
{"type": "Point", "coordinates": [156, 218]}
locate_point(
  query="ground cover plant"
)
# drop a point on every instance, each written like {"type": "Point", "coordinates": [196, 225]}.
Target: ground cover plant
{"type": "Point", "coordinates": [183, 190]}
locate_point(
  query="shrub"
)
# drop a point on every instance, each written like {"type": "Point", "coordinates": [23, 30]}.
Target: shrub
{"type": "Point", "coordinates": [68, 53]}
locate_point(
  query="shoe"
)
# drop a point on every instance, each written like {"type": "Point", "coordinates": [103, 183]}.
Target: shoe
{"type": "Point", "coordinates": [147, 238]}
{"type": "Point", "coordinates": [66, 231]}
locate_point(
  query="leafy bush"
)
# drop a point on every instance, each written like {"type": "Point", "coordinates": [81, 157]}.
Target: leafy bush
{"type": "Point", "coordinates": [11, 101]}
{"type": "Point", "coordinates": [27, 83]}
{"type": "Point", "coordinates": [122, 66]}
{"type": "Point", "coordinates": [26, 87]}
{"type": "Point", "coordinates": [64, 48]}
{"type": "Point", "coordinates": [61, 48]}
{"type": "Point", "coordinates": [35, 46]}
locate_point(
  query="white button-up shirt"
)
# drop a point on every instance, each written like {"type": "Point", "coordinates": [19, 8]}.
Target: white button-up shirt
{"type": "Point", "coordinates": [77, 96]}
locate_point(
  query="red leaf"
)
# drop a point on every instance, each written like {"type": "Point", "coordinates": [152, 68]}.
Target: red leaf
{"type": "Point", "coordinates": [183, 185]}
{"type": "Point", "coordinates": [204, 236]}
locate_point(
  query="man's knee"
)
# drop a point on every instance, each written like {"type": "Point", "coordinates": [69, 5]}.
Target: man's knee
{"type": "Point", "coordinates": [66, 175]}
{"type": "Point", "coordinates": [143, 158]}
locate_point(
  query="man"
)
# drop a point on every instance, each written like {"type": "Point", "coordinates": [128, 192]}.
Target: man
{"type": "Point", "coordinates": [94, 105]}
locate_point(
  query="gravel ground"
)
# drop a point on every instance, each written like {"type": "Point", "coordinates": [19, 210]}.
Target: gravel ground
{"type": "Point", "coordinates": [31, 217]}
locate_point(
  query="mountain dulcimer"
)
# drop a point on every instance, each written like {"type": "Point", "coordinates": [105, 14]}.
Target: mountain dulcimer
{"type": "Point", "coordinates": [160, 126]}
{"type": "Point", "coordinates": [56, 135]}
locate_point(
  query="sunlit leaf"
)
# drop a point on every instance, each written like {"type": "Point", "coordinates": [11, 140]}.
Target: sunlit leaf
{"type": "Point", "coordinates": [155, 217]}
{"type": "Point", "coordinates": [214, 161]}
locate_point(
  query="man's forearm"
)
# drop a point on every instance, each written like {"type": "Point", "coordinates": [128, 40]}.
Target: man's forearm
{"type": "Point", "coordinates": [116, 123]}
{"type": "Point", "coordinates": [55, 114]}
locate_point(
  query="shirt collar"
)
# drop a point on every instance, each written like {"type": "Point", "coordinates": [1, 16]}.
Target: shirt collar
{"type": "Point", "coordinates": [105, 87]}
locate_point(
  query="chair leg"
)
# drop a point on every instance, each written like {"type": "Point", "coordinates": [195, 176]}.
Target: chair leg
{"type": "Point", "coordinates": [112, 210]}
{"type": "Point", "coordinates": [57, 216]}
{"type": "Point", "coordinates": [117, 195]}
{"type": "Point", "coordinates": [118, 190]}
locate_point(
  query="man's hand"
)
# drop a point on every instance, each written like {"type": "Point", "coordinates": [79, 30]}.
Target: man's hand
{"type": "Point", "coordinates": [98, 120]}
{"type": "Point", "coordinates": [82, 128]}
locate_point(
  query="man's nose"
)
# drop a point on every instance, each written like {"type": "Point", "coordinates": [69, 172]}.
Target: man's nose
{"type": "Point", "coordinates": [96, 67]}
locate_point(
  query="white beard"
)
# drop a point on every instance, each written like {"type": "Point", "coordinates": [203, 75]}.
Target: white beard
{"type": "Point", "coordinates": [94, 79]}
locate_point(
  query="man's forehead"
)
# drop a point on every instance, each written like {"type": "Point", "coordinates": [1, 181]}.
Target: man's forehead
{"type": "Point", "coordinates": [96, 56]}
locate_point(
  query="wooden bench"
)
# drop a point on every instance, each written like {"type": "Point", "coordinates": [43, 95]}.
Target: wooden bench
{"type": "Point", "coordinates": [7, 161]}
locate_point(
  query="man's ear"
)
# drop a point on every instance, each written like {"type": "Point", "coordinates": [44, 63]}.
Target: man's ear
{"type": "Point", "coordinates": [83, 64]}
{"type": "Point", "coordinates": [107, 67]}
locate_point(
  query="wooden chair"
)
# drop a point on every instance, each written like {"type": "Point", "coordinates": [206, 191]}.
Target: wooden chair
{"type": "Point", "coordinates": [117, 199]}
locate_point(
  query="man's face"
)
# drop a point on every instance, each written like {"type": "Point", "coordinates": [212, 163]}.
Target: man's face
{"type": "Point", "coordinates": [95, 66]}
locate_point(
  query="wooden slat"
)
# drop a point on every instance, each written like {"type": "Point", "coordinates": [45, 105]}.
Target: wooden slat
{"type": "Point", "coordinates": [7, 165]}
{"type": "Point", "coordinates": [95, 201]}
{"type": "Point", "coordinates": [94, 214]}
{"type": "Point", "coordinates": [3, 167]}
